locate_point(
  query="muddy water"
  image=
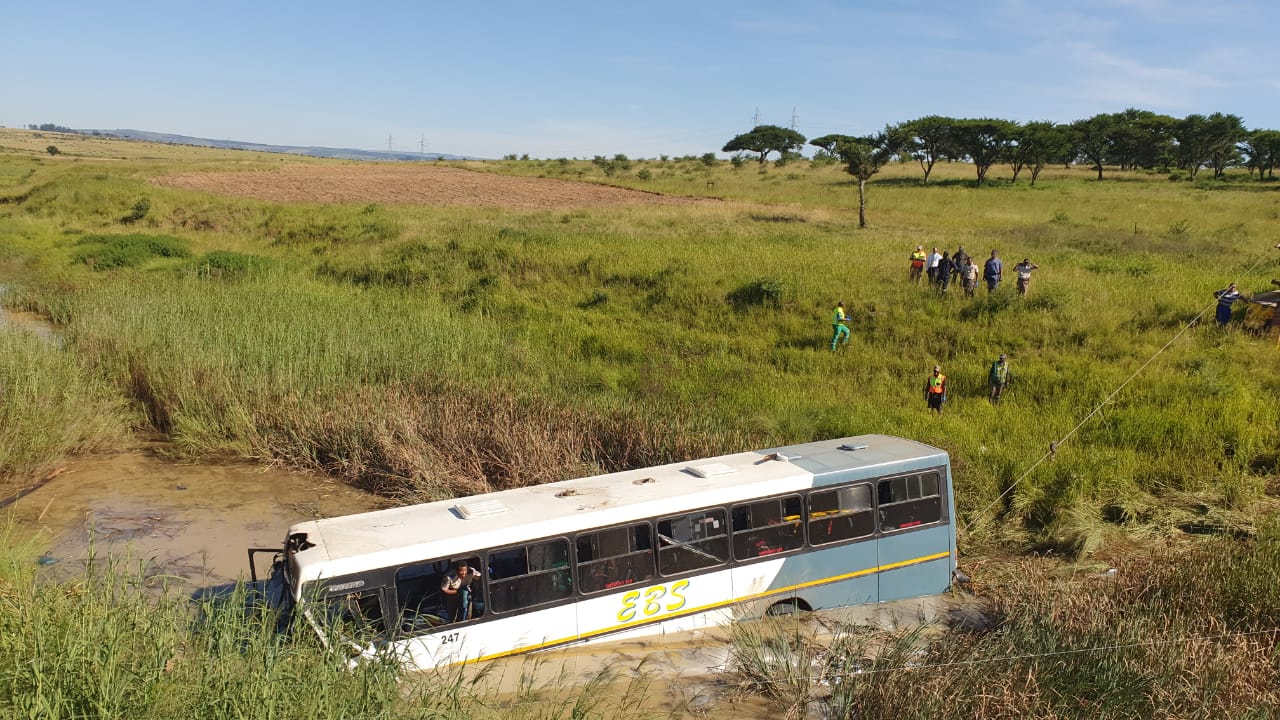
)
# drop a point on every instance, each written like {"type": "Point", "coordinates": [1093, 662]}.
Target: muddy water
{"type": "Point", "coordinates": [19, 320]}
{"type": "Point", "coordinates": [189, 522]}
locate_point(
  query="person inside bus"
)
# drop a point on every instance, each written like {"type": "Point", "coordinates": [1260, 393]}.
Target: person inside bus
{"type": "Point", "coordinates": [457, 588]}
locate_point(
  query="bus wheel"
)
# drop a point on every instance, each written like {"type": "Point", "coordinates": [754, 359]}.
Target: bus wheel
{"type": "Point", "coordinates": [786, 607]}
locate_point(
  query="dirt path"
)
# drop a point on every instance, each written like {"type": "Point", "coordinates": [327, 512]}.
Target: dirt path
{"type": "Point", "coordinates": [413, 183]}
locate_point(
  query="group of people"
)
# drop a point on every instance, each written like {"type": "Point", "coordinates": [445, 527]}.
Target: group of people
{"type": "Point", "coordinates": [943, 267]}
{"type": "Point", "coordinates": [998, 378]}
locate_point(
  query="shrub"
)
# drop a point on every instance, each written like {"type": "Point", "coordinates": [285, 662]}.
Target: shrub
{"type": "Point", "coordinates": [52, 150]}
{"type": "Point", "coordinates": [225, 263]}
{"type": "Point", "coordinates": [103, 252]}
{"type": "Point", "coordinates": [139, 211]}
{"type": "Point", "coordinates": [760, 292]}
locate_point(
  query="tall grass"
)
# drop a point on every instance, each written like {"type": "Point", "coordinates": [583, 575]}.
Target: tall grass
{"type": "Point", "coordinates": [110, 642]}
{"type": "Point", "coordinates": [427, 351]}
{"type": "Point", "coordinates": [1189, 634]}
{"type": "Point", "coordinates": [51, 406]}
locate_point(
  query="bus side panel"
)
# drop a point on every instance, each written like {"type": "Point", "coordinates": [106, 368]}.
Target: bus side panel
{"type": "Point", "coordinates": [819, 578]}
{"type": "Point", "coordinates": [494, 638]}
{"type": "Point", "coordinates": [915, 563]}
{"type": "Point", "coordinates": [683, 604]}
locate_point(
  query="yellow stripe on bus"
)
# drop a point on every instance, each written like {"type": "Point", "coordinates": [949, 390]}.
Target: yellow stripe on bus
{"type": "Point", "coordinates": [715, 606]}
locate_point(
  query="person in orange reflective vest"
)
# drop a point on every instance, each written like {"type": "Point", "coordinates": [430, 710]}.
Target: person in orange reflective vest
{"type": "Point", "coordinates": [935, 390]}
{"type": "Point", "coordinates": [918, 259]}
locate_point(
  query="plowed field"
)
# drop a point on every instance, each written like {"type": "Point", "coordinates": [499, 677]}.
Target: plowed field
{"type": "Point", "coordinates": [412, 185]}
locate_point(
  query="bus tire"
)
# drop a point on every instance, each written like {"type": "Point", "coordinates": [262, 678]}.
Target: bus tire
{"type": "Point", "coordinates": [787, 607]}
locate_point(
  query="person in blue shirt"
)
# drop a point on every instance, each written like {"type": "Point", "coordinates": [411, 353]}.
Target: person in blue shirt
{"type": "Point", "coordinates": [992, 270]}
{"type": "Point", "coordinates": [1226, 298]}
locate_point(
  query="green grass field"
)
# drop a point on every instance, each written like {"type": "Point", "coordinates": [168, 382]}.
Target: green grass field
{"type": "Point", "coordinates": [427, 351]}
{"type": "Point", "coordinates": [485, 348]}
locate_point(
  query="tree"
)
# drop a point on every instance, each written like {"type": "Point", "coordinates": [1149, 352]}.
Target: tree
{"type": "Point", "coordinates": [863, 157]}
{"type": "Point", "coordinates": [52, 150]}
{"type": "Point", "coordinates": [930, 139]}
{"type": "Point", "coordinates": [985, 141]}
{"type": "Point", "coordinates": [1091, 139]}
{"type": "Point", "coordinates": [764, 139]}
{"type": "Point", "coordinates": [1037, 144]}
{"type": "Point", "coordinates": [1262, 152]}
{"type": "Point", "coordinates": [1208, 141]}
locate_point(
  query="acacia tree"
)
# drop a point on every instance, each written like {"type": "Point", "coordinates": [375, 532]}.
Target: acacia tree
{"type": "Point", "coordinates": [1208, 140]}
{"type": "Point", "coordinates": [928, 140]}
{"type": "Point", "coordinates": [1262, 152]}
{"type": "Point", "coordinates": [985, 141]}
{"type": "Point", "coordinates": [765, 139]}
{"type": "Point", "coordinates": [1091, 139]}
{"type": "Point", "coordinates": [1037, 144]}
{"type": "Point", "coordinates": [863, 157]}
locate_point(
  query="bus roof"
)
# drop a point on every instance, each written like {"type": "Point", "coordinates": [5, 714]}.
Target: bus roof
{"type": "Point", "coordinates": [461, 526]}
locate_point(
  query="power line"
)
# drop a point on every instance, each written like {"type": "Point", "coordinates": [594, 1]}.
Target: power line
{"type": "Point", "coordinates": [1053, 446]}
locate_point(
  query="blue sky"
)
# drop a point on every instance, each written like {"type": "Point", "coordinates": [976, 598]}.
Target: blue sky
{"type": "Point", "coordinates": [576, 79]}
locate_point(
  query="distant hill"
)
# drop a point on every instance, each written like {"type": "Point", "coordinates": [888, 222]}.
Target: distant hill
{"type": "Point", "coordinates": [323, 152]}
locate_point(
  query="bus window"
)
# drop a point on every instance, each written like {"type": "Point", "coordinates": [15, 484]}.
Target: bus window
{"type": "Point", "coordinates": [422, 603]}
{"type": "Point", "coordinates": [840, 514]}
{"type": "Point", "coordinates": [615, 557]}
{"type": "Point", "coordinates": [767, 527]}
{"type": "Point", "coordinates": [356, 616]}
{"type": "Point", "coordinates": [529, 575]}
{"type": "Point", "coordinates": [909, 501]}
{"type": "Point", "coordinates": [692, 541]}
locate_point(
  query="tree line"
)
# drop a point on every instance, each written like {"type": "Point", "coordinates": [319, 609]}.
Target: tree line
{"type": "Point", "coordinates": [1131, 139]}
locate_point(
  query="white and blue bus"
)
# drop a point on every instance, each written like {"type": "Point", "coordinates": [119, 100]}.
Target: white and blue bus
{"type": "Point", "coordinates": [656, 550]}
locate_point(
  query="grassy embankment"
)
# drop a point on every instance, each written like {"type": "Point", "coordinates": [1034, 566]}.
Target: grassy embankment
{"type": "Point", "coordinates": [1183, 632]}
{"type": "Point", "coordinates": [430, 350]}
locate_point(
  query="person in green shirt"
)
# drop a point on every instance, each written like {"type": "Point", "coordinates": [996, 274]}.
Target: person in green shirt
{"type": "Point", "coordinates": [999, 377]}
{"type": "Point", "coordinates": [839, 327]}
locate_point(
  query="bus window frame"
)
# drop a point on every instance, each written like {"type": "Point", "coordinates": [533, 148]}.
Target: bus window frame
{"type": "Point", "coordinates": [944, 517]}
{"type": "Point", "coordinates": [569, 568]}
{"type": "Point", "coordinates": [873, 534]}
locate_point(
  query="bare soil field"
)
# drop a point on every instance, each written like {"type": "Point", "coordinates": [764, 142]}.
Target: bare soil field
{"type": "Point", "coordinates": [417, 184]}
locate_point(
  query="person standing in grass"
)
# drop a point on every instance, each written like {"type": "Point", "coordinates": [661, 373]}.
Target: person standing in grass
{"type": "Point", "coordinates": [935, 390]}
{"type": "Point", "coordinates": [1024, 269]}
{"type": "Point", "coordinates": [1226, 298]}
{"type": "Point", "coordinates": [934, 258]}
{"type": "Point", "coordinates": [992, 271]}
{"type": "Point", "coordinates": [942, 276]}
{"type": "Point", "coordinates": [969, 276]}
{"type": "Point", "coordinates": [918, 259]}
{"type": "Point", "coordinates": [999, 378]}
{"type": "Point", "coordinates": [839, 327]}
{"type": "Point", "coordinates": [961, 258]}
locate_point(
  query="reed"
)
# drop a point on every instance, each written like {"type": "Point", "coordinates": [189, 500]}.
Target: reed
{"type": "Point", "coordinates": [485, 348]}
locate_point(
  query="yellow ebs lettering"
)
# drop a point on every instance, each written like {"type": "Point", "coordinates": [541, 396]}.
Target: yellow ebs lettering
{"type": "Point", "coordinates": [653, 601]}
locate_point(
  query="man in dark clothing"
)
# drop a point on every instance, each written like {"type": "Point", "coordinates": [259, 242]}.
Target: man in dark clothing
{"type": "Point", "coordinates": [961, 258]}
{"type": "Point", "coordinates": [942, 276]}
{"type": "Point", "coordinates": [935, 390]}
{"type": "Point", "coordinates": [992, 270]}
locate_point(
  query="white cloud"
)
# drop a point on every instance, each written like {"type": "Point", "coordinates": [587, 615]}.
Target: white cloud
{"type": "Point", "coordinates": [1109, 78]}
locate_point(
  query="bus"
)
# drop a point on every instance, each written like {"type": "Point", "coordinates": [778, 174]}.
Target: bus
{"type": "Point", "coordinates": [671, 548]}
